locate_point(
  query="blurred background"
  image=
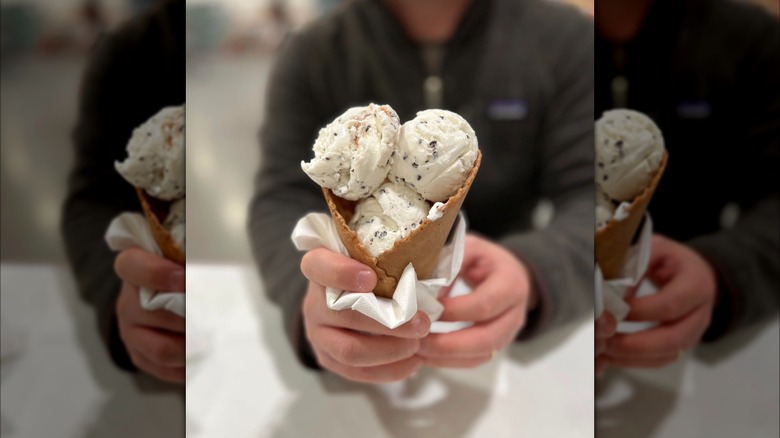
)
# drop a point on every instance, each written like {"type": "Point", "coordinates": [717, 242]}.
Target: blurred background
{"type": "Point", "coordinates": [49, 344]}
{"type": "Point", "coordinates": [57, 378]}
{"type": "Point", "coordinates": [231, 46]}
{"type": "Point", "coordinates": [231, 50]}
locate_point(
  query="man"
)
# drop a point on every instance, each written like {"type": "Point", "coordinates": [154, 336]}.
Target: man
{"type": "Point", "coordinates": [708, 73]}
{"type": "Point", "coordinates": [134, 72]}
{"type": "Point", "coordinates": [521, 74]}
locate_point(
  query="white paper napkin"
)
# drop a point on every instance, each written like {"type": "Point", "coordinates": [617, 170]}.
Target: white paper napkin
{"type": "Point", "coordinates": [318, 230]}
{"type": "Point", "coordinates": [132, 230]}
{"type": "Point", "coordinates": [610, 293]}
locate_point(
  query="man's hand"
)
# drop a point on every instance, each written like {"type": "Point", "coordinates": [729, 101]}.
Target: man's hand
{"type": "Point", "coordinates": [154, 339]}
{"type": "Point", "coordinates": [349, 343]}
{"type": "Point", "coordinates": [497, 307]}
{"type": "Point", "coordinates": [606, 324]}
{"type": "Point", "coordinates": [682, 306]}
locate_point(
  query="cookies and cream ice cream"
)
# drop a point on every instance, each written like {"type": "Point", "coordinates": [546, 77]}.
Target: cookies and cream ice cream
{"type": "Point", "coordinates": [630, 160]}
{"type": "Point", "coordinates": [390, 214]}
{"type": "Point", "coordinates": [436, 151]}
{"type": "Point", "coordinates": [629, 149]}
{"type": "Point", "coordinates": [379, 186]}
{"type": "Point", "coordinates": [155, 166]}
{"type": "Point", "coordinates": [155, 159]}
{"type": "Point", "coordinates": [353, 154]}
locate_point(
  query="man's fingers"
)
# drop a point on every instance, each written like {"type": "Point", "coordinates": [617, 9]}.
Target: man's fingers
{"type": "Point", "coordinates": [416, 328]}
{"type": "Point", "coordinates": [159, 319]}
{"type": "Point", "coordinates": [158, 347]}
{"type": "Point", "coordinates": [128, 308]}
{"type": "Point", "coordinates": [377, 374]}
{"type": "Point", "coordinates": [328, 268]}
{"type": "Point", "coordinates": [662, 341]}
{"type": "Point", "coordinates": [606, 325]}
{"type": "Point", "coordinates": [476, 341]}
{"type": "Point", "coordinates": [168, 374]}
{"type": "Point", "coordinates": [145, 269]}
{"type": "Point", "coordinates": [673, 301]}
{"type": "Point", "coordinates": [361, 350]}
{"type": "Point", "coordinates": [457, 362]}
{"type": "Point", "coordinates": [484, 303]}
{"type": "Point", "coordinates": [661, 266]}
{"type": "Point", "coordinates": [317, 313]}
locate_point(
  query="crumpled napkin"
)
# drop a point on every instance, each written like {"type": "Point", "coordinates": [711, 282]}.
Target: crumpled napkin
{"type": "Point", "coordinates": [610, 293]}
{"type": "Point", "coordinates": [318, 230]}
{"type": "Point", "coordinates": [132, 230]}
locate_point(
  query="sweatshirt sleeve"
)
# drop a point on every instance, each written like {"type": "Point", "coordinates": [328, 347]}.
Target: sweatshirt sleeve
{"type": "Point", "coordinates": [746, 257]}
{"type": "Point", "coordinates": [119, 91]}
{"type": "Point", "coordinates": [560, 256]}
{"type": "Point", "coordinates": [96, 193]}
{"type": "Point", "coordinates": [283, 192]}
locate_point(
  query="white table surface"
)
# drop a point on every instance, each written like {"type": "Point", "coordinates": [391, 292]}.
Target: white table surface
{"type": "Point", "coordinates": [243, 380]}
{"type": "Point", "coordinates": [57, 378]}
{"type": "Point", "coordinates": [727, 389]}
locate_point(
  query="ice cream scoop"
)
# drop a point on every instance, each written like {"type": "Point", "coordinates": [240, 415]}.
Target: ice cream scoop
{"type": "Point", "coordinates": [629, 150]}
{"type": "Point", "coordinates": [155, 161]}
{"type": "Point", "coordinates": [353, 154]}
{"type": "Point", "coordinates": [436, 152]}
{"type": "Point", "coordinates": [390, 214]}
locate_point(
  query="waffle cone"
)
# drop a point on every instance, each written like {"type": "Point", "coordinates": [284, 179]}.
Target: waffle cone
{"type": "Point", "coordinates": [421, 247]}
{"type": "Point", "coordinates": [612, 241]}
{"type": "Point", "coordinates": [154, 210]}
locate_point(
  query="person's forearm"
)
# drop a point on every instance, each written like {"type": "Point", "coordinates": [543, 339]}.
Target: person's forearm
{"type": "Point", "coordinates": [83, 224]}
{"type": "Point", "coordinates": [270, 226]}
{"type": "Point", "coordinates": [747, 264]}
{"type": "Point", "coordinates": [560, 261]}
{"type": "Point", "coordinates": [560, 257]}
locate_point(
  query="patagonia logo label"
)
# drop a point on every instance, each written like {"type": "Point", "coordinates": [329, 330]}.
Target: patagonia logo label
{"type": "Point", "coordinates": [507, 109]}
{"type": "Point", "coordinates": [694, 109]}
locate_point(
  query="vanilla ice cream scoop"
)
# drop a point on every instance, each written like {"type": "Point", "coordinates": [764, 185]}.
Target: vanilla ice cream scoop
{"type": "Point", "coordinates": [175, 223]}
{"type": "Point", "coordinates": [436, 152]}
{"type": "Point", "coordinates": [389, 215]}
{"type": "Point", "coordinates": [353, 154]}
{"type": "Point", "coordinates": [605, 209]}
{"type": "Point", "coordinates": [155, 161]}
{"type": "Point", "coordinates": [629, 150]}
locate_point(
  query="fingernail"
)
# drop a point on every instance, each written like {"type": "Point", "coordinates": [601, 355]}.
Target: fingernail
{"type": "Point", "coordinates": [420, 328]}
{"type": "Point", "coordinates": [363, 278]}
{"type": "Point", "coordinates": [176, 281]}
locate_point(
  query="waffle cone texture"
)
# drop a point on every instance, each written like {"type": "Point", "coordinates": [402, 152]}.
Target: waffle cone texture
{"type": "Point", "coordinates": [421, 247]}
{"type": "Point", "coordinates": [614, 240]}
{"type": "Point", "coordinates": [154, 210]}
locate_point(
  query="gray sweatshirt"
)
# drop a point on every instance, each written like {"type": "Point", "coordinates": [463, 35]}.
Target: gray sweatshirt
{"type": "Point", "coordinates": [520, 72]}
